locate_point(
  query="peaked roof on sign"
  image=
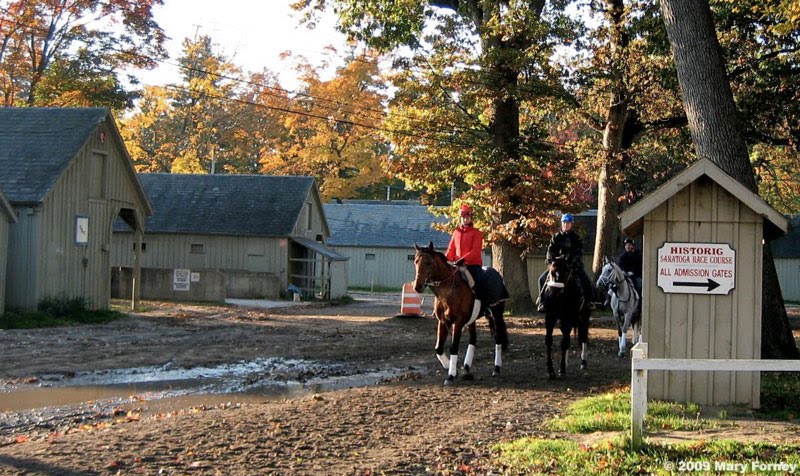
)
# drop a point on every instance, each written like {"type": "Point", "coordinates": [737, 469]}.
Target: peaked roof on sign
{"type": "Point", "coordinates": [37, 144]}
{"type": "Point", "coordinates": [244, 205]}
{"type": "Point", "coordinates": [775, 224]}
{"type": "Point", "coordinates": [388, 224]}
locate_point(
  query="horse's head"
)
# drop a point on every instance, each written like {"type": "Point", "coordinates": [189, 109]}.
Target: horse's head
{"type": "Point", "coordinates": [427, 264]}
{"type": "Point", "coordinates": [611, 274]}
{"type": "Point", "coordinates": [559, 272]}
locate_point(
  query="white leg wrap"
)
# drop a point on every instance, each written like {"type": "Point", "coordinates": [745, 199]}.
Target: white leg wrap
{"type": "Point", "coordinates": [470, 355]}
{"type": "Point", "coordinates": [584, 348]}
{"type": "Point", "coordinates": [444, 360]}
{"type": "Point", "coordinates": [623, 340]}
{"type": "Point", "coordinates": [453, 365]}
{"type": "Point", "coordinates": [498, 355]}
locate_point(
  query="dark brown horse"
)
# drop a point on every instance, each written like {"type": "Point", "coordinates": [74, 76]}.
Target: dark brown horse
{"type": "Point", "coordinates": [455, 308]}
{"type": "Point", "coordinates": [563, 305]}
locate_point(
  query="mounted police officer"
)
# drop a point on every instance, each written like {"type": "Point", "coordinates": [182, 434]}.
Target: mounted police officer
{"type": "Point", "coordinates": [568, 244]}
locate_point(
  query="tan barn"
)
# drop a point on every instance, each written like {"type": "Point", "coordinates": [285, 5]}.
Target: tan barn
{"type": "Point", "coordinates": [703, 243]}
{"type": "Point", "coordinates": [67, 175]}
{"type": "Point", "coordinates": [238, 236]}
{"type": "Point", "coordinates": [7, 218]}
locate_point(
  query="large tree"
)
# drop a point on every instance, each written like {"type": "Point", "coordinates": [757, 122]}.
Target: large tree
{"type": "Point", "coordinates": [70, 52]}
{"type": "Point", "coordinates": [477, 125]}
{"type": "Point", "coordinates": [717, 135]}
{"type": "Point", "coordinates": [333, 130]}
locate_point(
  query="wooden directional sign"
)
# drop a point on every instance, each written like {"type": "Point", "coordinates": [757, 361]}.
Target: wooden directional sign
{"type": "Point", "coordinates": [696, 268]}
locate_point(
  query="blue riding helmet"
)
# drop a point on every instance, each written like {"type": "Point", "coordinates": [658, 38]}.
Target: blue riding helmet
{"type": "Point", "coordinates": [567, 218]}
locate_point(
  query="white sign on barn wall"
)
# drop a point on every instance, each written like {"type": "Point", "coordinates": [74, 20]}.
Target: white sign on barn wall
{"type": "Point", "coordinates": [180, 279]}
{"type": "Point", "coordinates": [696, 268]}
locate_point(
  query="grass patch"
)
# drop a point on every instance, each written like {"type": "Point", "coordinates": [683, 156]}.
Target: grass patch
{"type": "Point", "coordinates": [54, 312]}
{"type": "Point", "coordinates": [613, 457]}
{"type": "Point", "coordinates": [612, 412]}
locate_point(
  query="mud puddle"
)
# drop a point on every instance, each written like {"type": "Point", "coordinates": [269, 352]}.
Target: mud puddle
{"type": "Point", "coordinates": [56, 402]}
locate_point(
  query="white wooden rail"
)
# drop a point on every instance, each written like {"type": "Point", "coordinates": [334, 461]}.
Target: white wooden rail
{"type": "Point", "coordinates": [640, 364]}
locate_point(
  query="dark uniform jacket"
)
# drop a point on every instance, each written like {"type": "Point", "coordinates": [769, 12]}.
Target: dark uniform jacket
{"type": "Point", "coordinates": [567, 244]}
{"type": "Point", "coordinates": [631, 262]}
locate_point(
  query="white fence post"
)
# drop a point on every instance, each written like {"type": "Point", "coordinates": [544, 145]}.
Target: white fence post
{"type": "Point", "coordinates": [640, 364]}
{"type": "Point", "coordinates": [638, 394]}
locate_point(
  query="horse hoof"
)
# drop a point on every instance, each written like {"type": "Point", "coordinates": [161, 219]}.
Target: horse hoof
{"type": "Point", "coordinates": [468, 377]}
{"type": "Point", "coordinates": [583, 365]}
{"type": "Point", "coordinates": [496, 371]}
{"type": "Point", "coordinates": [621, 355]}
{"type": "Point", "coordinates": [449, 380]}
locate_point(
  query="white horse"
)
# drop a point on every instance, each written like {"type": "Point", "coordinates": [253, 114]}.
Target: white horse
{"type": "Point", "coordinates": [624, 302]}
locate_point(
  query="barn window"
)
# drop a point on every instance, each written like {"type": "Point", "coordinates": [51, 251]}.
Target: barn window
{"type": "Point", "coordinates": [197, 248]}
{"type": "Point", "coordinates": [144, 247]}
{"type": "Point", "coordinates": [410, 257]}
{"type": "Point", "coordinates": [369, 257]}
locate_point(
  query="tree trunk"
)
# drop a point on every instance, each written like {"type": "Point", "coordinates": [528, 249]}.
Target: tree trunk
{"type": "Point", "coordinates": [607, 237]}
{"type": "Point", "coordinates": [515, 273]}
{"type": "Point", "coordinates": [713, 123]}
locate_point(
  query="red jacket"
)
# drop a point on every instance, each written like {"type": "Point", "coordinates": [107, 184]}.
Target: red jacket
{"type": "Point", "coordinates": [467, 243]}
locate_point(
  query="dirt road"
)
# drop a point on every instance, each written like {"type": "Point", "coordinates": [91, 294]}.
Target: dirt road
{"type": "Point", "coordinates": [407, 424]}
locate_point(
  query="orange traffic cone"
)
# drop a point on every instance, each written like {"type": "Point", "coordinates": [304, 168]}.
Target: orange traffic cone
{"type": "Point", "coordinates": [411, 303]}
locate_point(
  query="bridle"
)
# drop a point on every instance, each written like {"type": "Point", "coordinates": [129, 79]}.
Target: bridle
{"type": "Point", "coordinates": [614, 283]}
{"type": "Point", "coordinates": [436, 284]}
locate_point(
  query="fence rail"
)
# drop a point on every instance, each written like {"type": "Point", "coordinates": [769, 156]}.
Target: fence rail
{"type": "Point", "coordinates": [641, 364]}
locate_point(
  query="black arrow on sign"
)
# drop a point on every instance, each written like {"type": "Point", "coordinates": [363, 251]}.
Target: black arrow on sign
{"type": "Point", "coordinates": [711, 284]}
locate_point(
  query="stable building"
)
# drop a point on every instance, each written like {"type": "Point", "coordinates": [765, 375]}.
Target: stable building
{"type": "Point", "coordinates": [232, 236]}
{"type": "Point", "coordinates": [379, 239]}
{"type": "Point", "coordinates": [67, 176]}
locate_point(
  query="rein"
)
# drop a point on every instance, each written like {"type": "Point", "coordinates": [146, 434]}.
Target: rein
{"type": "Point", "coordinates": [616, 282]}
{"type": "Point", "coordinates": [436, 284]}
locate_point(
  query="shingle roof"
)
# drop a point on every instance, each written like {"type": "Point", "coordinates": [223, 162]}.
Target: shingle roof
{"type": "Point", "coordinates": [383, 224]}
{"type": "Point", "coordinates": [245, 205]}
{"type": "Point", "coordinates": [37, 144]}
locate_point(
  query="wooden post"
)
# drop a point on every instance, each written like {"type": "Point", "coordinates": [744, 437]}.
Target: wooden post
{"type": "Point", "coordinates": [137, 270]}
{"type": "Point", "coordinates": [638, 395]}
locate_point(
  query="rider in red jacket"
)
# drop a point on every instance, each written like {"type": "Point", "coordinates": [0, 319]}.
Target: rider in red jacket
{"type": "Point", "coordinates": [466, 242]}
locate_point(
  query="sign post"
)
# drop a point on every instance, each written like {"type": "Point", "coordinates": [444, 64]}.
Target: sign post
{"type": "Point", "coordinates": [696, 268]}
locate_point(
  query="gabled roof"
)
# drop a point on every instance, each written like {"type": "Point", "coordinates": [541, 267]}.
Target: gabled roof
{"type": "Point", "coordinates": [775, 224]}
{"type": "Point", "coordinates": [383, 224]}
{"type": "Point", "coordinates": [6, 209]}
{"type": "Point", "coordinates": [245, 205]}
{"type": "Point", "coordinates": [37, 144]}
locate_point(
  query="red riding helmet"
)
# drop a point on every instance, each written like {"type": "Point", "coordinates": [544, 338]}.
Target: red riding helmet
{"type": "Point", "coordinates": [466, 211]}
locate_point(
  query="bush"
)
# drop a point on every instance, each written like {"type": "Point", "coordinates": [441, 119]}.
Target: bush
{"type": "Point", "coordinates": [63, 306]}
{"type": "Point", "coordinates": [56, 311]}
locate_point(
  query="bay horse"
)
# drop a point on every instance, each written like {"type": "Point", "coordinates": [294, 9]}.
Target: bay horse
{"type": "Point", "coordinates": [624, 302]}
{"type": "Point", "coordinates": [563, 304]}
{"type": "Point", "coordinates": [454, 308]}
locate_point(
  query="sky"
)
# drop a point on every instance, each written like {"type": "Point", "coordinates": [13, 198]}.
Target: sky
{"type": "Point", "coordinates": [253, 34]}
